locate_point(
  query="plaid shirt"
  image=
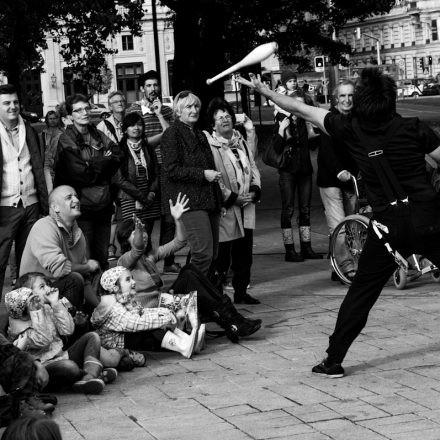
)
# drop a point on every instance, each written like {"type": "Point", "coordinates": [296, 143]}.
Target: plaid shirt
{"type": "Point", "coordinates": [120, 320]}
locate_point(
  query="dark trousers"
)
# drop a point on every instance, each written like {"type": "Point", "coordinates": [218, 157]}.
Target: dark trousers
{"type": "Point", "coordinates": [376, 266]}
{"type": "Point", "coordinates": [208, 300]}
{"type": "Point", "coordinates": [15, 224]}
{"type": "Point", "coordinates": [208, 297]}
{"type": "Point", "coordinates": [237, 254]}
{"type": "Point", "coordinates": [97, 233]}
{"type": "Point", "coordinates": [290, 184]}
{"type": "Point", "coordinates": [202, 231]}
{"type": "Point", "coordinates": [64, 372]}
{"type": "Point", "coordinates": [71, 287]}
{"type": "Point", "coordinates": [167, 232]}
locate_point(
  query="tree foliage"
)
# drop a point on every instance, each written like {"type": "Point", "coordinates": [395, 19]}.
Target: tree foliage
{"type": "Point", "coordinates": [81, 26]}
{"type": "Point", "coordinates": [210, 35]}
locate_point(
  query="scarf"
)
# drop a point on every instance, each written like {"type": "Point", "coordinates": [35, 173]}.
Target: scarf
{"type": "Point", "coordinates": [136, 147]}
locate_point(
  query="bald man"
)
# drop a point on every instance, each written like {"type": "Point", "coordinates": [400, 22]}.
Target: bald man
{"type": "Point", "coordinates": [56, 247]}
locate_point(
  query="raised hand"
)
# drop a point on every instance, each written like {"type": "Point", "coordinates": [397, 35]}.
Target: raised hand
{"type": "Point", "coordinates": [52, 297]}
{"type": "Point", "coordinates": [255, 83]}
{"type": "Point", "coordinates": [138, 225]}
{"type": "Point", "coordinates": [157, 106]}
{"type": "Point", "coordinates": [179, 207]}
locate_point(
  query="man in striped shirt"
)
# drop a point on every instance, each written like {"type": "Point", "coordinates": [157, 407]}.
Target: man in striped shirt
{"type": "Point", "coordinates": [23, 192]}
{"type": "Point", "coordinates": [157, 118]}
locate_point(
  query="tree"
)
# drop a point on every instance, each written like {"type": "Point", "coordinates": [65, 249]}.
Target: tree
{"type": "Point", "coordinates": [81, 26]}
{"type": "Point", "coordinates": [210, 35]}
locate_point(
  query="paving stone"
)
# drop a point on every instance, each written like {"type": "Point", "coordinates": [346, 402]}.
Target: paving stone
{"type": "Point", "coordinates": [270, 424]}
{"type": "Point", "coordinates": [394, 404]}
{"type": "Point", "coordinates": [313, 413]}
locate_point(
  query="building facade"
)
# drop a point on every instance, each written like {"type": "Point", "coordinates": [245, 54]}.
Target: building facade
{"type": "Point", "coordinates": [135, 55]}
{"type": "Point", "coordinates": [406, 41]}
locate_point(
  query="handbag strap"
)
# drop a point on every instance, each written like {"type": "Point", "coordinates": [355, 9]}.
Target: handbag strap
{"type": "Point", "coordinates": [393, 189]}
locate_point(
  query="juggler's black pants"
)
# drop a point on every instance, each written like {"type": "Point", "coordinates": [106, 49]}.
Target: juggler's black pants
{"type": "Point", "coordinates": [410, 232]}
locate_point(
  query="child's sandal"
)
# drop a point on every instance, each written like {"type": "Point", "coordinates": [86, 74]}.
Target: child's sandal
{"type": "Point", "coordinates": [109, 375]}
{"type": "Point", "coordinates": [137, 358]}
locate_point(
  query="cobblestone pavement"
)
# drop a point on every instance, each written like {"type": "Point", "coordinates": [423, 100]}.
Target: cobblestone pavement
{"type": "Point", "coordinates": [262, 388]}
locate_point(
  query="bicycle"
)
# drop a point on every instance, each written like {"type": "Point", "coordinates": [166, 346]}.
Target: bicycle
{"type": "Point", "coordinates": [348, 239]}
{"type": "Point", "coordinates": [347, 242]}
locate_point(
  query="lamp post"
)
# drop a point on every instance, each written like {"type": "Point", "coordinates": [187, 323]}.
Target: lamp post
{"type": "Point", "coordinates": [156, 38]}
{"type": "Point", "coordinates": [358, 36]}
{"type": "Point", "coordinates": [377, 48]}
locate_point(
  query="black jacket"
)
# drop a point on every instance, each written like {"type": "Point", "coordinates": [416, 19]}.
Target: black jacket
{"type": "Point", "coordinates": [125, 178]}
{"type": "Point", "coordinates": [186, 154]}
{"type": "Point", "coordinates": [296, 148]}
{"type": "Point", "coordinates": [331, 161]}
{"type": "Point", "coordinates": [89, 171]}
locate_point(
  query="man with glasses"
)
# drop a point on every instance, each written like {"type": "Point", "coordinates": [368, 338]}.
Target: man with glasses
{"type": "Point", "coordinates": [87, 160]}
{"type": "Point", "coordinates": [112, 126]}
{"type": "Point", "coordinates": [23, 193]}
{"type": "Point", "coordinates": [157, 118]}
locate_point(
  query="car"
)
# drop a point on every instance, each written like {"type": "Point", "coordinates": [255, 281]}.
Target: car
{"type": "Point", "coordinates": [99, 110]}
{"type": "Point", "coordinates": [431, 89]}
{"type": "Point", "coordinates": [410, 90]}
{"type": "Point", "coordinates": [168, 101]}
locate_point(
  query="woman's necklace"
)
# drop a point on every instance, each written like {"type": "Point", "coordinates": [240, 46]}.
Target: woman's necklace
{"type": "Point", "coordinates": [134, 145]}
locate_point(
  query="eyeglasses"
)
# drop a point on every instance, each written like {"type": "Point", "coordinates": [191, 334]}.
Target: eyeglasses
{"type": "Point", "coordinates": [223, 118]}
{"type": "Point", "coordinates": [117, 102]}
{"type": "Point", "coordinates": [81, 110]}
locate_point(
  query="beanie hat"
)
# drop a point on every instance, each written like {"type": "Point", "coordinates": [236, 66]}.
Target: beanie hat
{"type": "Point", "coordinates": [110, 277]}
{"type": "Point", "coordinates": [287, 75]}
{"type": "Point", "coordinates": [16, 301]}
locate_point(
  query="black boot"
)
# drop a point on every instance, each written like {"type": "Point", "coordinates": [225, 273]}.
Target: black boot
{"type": "Point", "coordinates": [308, 253]}
{"type": "Point", "coordinates": [235, 325]}
{"type": "Point", "coordinates": [291, 254]}
{"type": "Point", "coordinates": [306, 249]}
{"type": "Point", "coordinates": [245, 298]}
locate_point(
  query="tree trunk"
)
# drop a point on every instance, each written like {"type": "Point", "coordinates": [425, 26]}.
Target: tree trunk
{"type": "Point", "coordinates": [199, 52]}
{"type": "Point", "coordinates": [14, 72]}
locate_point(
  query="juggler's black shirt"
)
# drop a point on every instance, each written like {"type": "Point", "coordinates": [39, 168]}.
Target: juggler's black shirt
{"type": "Point", "coordinates": [405, 152]}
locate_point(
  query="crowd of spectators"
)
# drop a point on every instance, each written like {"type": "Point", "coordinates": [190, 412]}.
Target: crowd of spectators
{"type": "Point", "coordinates": [73, 321]}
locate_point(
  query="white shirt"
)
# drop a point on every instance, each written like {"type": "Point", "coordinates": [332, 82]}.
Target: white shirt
{"type": "Point", "coordinates": [17, 177]}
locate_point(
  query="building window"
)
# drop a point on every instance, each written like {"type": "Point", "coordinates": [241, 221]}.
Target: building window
{"type": "Point", "coordinates": [127, 42]}
{"type": "Point", "coordinates": [127, 80]}
{"type": "Point", "coordinates": [434, 30]}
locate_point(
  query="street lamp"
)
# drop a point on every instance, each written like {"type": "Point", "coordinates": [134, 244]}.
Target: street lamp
{"type": "Point", "coordinates": [358, 36]}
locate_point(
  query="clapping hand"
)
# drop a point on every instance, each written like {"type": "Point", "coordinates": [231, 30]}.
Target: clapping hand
{"type": "Point", "coordinates": [179, 207]}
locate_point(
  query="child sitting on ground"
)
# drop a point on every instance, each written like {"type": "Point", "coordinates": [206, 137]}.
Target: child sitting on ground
{"type": "Point", "coordinates": [37, 321]}
{"type": "Point", "coordinates": [122, 322]}
{"type": "Point", "coordinates": [140, 257]}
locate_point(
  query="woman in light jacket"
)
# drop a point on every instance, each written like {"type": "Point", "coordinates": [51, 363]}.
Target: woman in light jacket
{"type": "Point", "coordinates": [240, 184]}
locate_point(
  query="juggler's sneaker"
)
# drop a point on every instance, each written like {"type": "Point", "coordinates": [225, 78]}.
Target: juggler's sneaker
{"type": "Point", "coordinates": [327, 369]}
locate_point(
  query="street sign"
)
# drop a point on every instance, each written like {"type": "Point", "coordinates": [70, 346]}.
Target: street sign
{"type": "Point", "coordinates": [401, 63]}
